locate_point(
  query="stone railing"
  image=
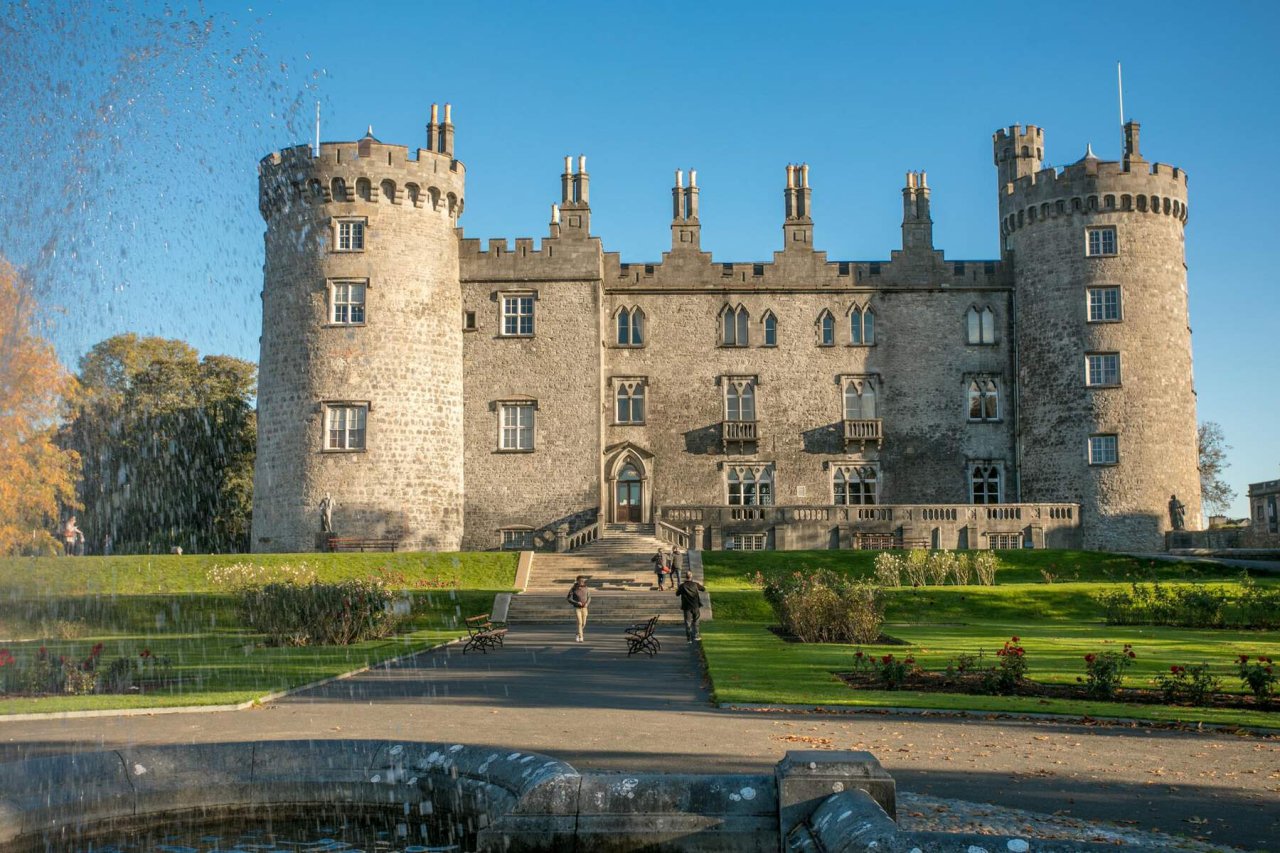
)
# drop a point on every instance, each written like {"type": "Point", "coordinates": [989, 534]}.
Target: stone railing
{"type": "Point", "coordinates": [671, 535]}
{"type": "Point", "coordinates": [569, 541]}
{"type": "Point", "coordinates": [739, 430]}
{"type": "Point", "coordinates": [860, 431]}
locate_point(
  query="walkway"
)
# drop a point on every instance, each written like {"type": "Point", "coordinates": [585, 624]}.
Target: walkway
{"type": "Point", "coordinates": [592, 706]}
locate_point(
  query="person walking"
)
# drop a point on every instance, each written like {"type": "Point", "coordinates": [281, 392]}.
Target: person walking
{"type": "Point", "coordinates": [661, 568]}
{"type": "Point", "coordinates": [580, 597]}
{"type": "Point", "coordinates": [690, 594]}
{"type": "Point", "coordinates": [70, 535]}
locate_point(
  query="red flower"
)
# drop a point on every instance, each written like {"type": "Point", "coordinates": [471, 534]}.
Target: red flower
{"type": "Point", "coordinates": [886, 659]}
{"type": "Point", "coordinates": [1090, 658]}
{"type": "Point", "coordinates": [857, 654]}
{"type": "Point", "coordinates": [1015, 639]}
{"type": "Point", "coordinates": [6, 657]}
{"type": "Point", "coordinates": [1131, 654]}
{"type": "Point", "coordinates": [146, 653]}
{"type": "Point", "coordinates": [1175, 669]}
{"type": "Point", "coordinates": [43, 652]}
{"type": "Point", "coordinates": [1244, 658]}
{"type": "Point", "coordinates": [96, 650]}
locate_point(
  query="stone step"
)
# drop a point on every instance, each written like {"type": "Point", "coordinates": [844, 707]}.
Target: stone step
{"type": "Point", "coordinates": [605, 607]}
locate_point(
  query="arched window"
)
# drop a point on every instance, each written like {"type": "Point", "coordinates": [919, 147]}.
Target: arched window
{"type": "Point", "coordinates": [364, 190]}
{"type": "Point", "coordinates": [985, 483]}
{"type": "Point", "coordinates": [413, 192]}
{"type": "Point", "coordinates": [388, 188]}
{"type": "Point", "coordinates": [984, 400]}
{"type": "Point", "coordinates": [854, 485]}
{"type": "Point", "coordinates": [770, 329]}
{"type": "Point", "coordinates": [630, 327]}
{"type": "Point", "coordinates": [338, 188]}
{"type": "Point", "coordinates": [750, 485]}
{"type": "Point", "coordinates": [862, 326]}
{"type": "Point", "coordinates": [859, 400]}
{"type": "Point", "coordinates": [734, 322]}
{"type": "Point", "coordinates": [317, 191]}
{"type": "Point", "coordinates": [740, 400]}
{"type": "Point", "coordinates": [630, 399]}
{"type": "Point", "coordinates": [980, 325]}
{"type": "Point", "coordinates": [433, 195]}
{"type": "Point", "coordinates": [826, 330]}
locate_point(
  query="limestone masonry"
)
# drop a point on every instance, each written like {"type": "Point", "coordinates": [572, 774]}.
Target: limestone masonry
{"type": "Point", "coordinates": [451, 395]}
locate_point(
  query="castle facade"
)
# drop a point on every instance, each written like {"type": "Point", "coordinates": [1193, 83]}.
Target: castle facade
{"type": "Point", "coordinates": [453, 395]}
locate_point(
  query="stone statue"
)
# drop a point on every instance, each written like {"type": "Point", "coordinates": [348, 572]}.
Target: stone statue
{"type": "Point", "coordinates": [326, 513]}
{"type": "Point", "coordinates": [1177, 513]}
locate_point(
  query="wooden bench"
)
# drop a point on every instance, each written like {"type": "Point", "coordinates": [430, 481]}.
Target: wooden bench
{"type": "Point", "coordinates": [337, 543]}
{"type": "Point", "coordinates": [484, 634]}
{"type": "Point", "coordinates": [640, 638]}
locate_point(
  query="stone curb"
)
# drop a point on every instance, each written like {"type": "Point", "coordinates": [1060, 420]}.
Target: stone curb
{"type": "Point", "coordinates": [203, 709]}
{"type": "Point", "coordinates": [884, 710]}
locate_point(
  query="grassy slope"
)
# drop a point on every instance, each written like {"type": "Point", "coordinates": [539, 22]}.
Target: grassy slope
{"type": "Point", "coordinates": [167, 605]}
{"type": "Point", "coordinates": [1058, 624]}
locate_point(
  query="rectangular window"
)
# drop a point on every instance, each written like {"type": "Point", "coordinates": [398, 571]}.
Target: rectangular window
{"type": "Point", "coordinates": [1103, 450]}
{"type": "Point", "coordinates": [517, 426]}
{"type": "Point", "coordinates": [1101, 241]}
{"type": "Point", "coordinates": [345, 427]}
{"type": "Point", "coordinates": [1004, 541]}
{"type": "Point", "coordinates": [517, 315]}
{"type": "Point", "coordinates": [517, 539]}
{"type": "Point", "coordinates": [347, 303]}
{"type": "Point", "coordinates": [468, 321]}
{"type": "Point", "coordinates": [745, 541]}
{"type": "Point", "coordinates": [1102, 369]}
{"type": "Point", "coordinates": [350, 235]}
{"type": "Point", "coordinates": [1104, 305]}
{"type": "Point", "coordinates": [630, 401]}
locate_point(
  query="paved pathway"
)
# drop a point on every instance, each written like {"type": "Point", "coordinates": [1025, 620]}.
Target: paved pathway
{"type": "Point", "coordinates": [592, 706]}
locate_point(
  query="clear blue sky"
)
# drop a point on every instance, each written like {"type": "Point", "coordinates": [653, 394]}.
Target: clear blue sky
{"type": "Point", "coordinates": [170, 240]}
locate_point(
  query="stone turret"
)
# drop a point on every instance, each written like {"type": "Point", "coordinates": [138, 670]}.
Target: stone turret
{"type": "Point", "coordinates": [1106, 412]}
{"type": "Point", "coordinates": [360, 390]}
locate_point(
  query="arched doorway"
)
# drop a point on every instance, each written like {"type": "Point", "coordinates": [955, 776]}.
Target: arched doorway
{"type": "Point", "coordinates": [629, 495]}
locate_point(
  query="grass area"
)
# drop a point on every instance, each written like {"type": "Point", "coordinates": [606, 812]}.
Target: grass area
{"type": "Point", "coordinates": [1058, 624]}
{"type": "Point", "coordinates": [168, 606]}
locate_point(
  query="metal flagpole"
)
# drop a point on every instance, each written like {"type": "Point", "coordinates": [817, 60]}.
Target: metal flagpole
{"type": "Point", "coordinates": [318, 129]}
{"type": "Point", "coordinates": [1120, 88]}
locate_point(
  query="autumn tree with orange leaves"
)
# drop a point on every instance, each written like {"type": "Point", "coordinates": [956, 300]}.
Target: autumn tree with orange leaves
{"type": "Point", "coordinates": [37, 477]}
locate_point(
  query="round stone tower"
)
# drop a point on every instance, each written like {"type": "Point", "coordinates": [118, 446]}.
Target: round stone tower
{"type": "Point", "coordinates": [360, 376]}
{"type": "Point", "coordinates": [1106, 412]}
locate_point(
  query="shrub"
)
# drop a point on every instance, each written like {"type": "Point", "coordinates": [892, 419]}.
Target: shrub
{"type": "Point", "coordinates": [962, 570]}
{"type": "Point", "coordinates": [1193, 605]}
{"type": "Point", "coordinates": [963, 664]}
{"type": "Point", "coordinates": [1194, 684]}
{"type": "Point", "coordinates": [825, 607]}
{"type": "Point", "coordinates": [1259, 676]}
{"type": "Point", "coordinates": [916, 567]}
{"type": "Point", "coordinates": [117, 677]}
{"type": "Point", "coordinates": [241, 576]}
{"type": "Point", "coordinates": [985, 564]}
{"type": "Point", "coordinates": [1105, 670]}
{"type": "Point", "coordinates": [319, 613]}
{"type": "Point", "coordinates": [891, 671]}
{"type": "Point", "coordinates": [939, 566]}
{"type": "Point", "coordinates": [888, 569]}
{"type": "Point", "coordinates": [1010, 670]}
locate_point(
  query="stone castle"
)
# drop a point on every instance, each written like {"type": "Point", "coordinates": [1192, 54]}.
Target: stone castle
{"type": "Point", "coordinates": [452, 395]}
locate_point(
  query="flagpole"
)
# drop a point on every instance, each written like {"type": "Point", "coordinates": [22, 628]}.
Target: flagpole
{"type": "Point", "coordinates": [1120, 89]}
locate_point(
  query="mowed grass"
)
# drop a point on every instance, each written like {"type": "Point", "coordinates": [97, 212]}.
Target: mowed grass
{"type": "Point", "coordinates": [1058, 623]}
{"type": "Point", "coordinates": [168, 607]}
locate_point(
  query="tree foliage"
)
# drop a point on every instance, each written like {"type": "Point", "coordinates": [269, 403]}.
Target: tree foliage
{"type": "Point", "coordinates": [37, 477]}
{"type": "Point", "coordinates": [167, 440]}
{"type": "Point", "coordinates": [1215, 494]}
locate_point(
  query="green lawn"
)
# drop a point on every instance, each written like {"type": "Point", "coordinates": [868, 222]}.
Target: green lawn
{"type": "Point", "coordinates": [1058, 624]}
{"type": "Point", "coordinates": [168, 606]}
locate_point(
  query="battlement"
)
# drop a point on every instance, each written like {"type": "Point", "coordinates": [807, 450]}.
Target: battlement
{"type": "Point", "coordinates": [1018, 141]}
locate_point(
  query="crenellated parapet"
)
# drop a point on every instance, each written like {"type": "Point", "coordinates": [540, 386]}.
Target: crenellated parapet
{"type": "Point", "coordinates": [366, 171]}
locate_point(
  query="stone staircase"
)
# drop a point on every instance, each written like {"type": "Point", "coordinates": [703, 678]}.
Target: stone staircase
{"type": "Point", "coordinates": [620, 575]}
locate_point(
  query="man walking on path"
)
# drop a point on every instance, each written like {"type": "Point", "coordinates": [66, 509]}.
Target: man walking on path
{"type": "Point", "coordinates": [690, 593]}
{"type": "Point", "coordinates": [580, 597]}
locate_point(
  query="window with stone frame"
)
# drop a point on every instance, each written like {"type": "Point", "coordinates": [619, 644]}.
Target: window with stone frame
{"type": "Point", "coordinates": [859, 394]}
{"type": "Point", "coordinates": [862, 326]}
{"type": "Point", "coordinates": [984, 482]}
{"type": "Point", "coordinates": [1104, 449]}
{"type": "Point", "coordinates": [854, 485]}
{"type": "Point", "coordinates": [746, 541]}
{"type": "Point", "coordinates": [1100, 241]}
{"type": "Point", "coordinates": [1104, 304]}
{"type": "Point", "coordinates": [345, 426]}
{"type": "Point", "coordinates": [984, 398]}
{"type": "Point", "coordinates": [517, 314]}
{"type": "Point", "coordinates": [515, 426]}
{"type": "Point", "coordinates": [517, 538]}
{"type": "Point", "coordinates": [770, 324]}
{"type": "Point", "coordinates": [980, 326]}
{"type": "Point", "coordinates": [826, 329]}
{"type": "Point", "coordinates": [1102, 369]}
{"type": "Point", "coordinates": [350, 234]}
{"type": "Point", "coordinates": [749, 485]}
{"type": "Point", "coordinates": [629, 399]}
{"type": "Point", "coordinates": [629, 325]}
{"type": "Point", "coordinates": [347, 303]}
{"type": "Point", "coordinates": [734, 323]}
{"type": "Point", "coordinates": [739, 398]}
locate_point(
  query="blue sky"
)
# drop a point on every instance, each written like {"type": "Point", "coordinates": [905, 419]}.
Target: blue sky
{"type": "Point", "coordinates": [171, 243]}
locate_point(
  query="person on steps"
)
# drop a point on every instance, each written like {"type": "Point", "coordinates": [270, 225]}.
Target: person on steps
{"type": "Point", "coordinates": [580, 597]}
{"type": "Point", "coordinates": [661, 568]}
{"type": "Point", "coordinates": [690, 594]}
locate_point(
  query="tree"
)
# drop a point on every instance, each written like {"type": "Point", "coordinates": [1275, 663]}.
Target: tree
{"type": "Point", "coordinates": [37, 477]}
{"type": "Point", "coordinates": [167, 440]}
{"type": "Point", "coordinates": [1215, 494]}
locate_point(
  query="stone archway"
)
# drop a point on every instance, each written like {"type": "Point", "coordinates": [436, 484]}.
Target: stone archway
{"type": "Point", "coordinates": [630, 491]}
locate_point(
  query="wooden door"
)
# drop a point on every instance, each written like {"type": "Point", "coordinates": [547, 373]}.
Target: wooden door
{"type": "Point", "coordinates": [628, 508]}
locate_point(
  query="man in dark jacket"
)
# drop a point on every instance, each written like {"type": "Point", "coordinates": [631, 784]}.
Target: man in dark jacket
{"type": "Point", "coordinates": [690, 594]}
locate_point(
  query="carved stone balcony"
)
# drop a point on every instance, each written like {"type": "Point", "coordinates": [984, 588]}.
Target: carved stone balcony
{"type": "Point", "coordinates": [862, 431]}
{"type": "Point", "coordinates": [739, 432]}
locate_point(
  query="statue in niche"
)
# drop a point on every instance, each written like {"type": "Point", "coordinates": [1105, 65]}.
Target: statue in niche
{"type": "Point", "coordinates": [1177, 513]}
{"type": "Point", "coordinates": [326, 513]}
